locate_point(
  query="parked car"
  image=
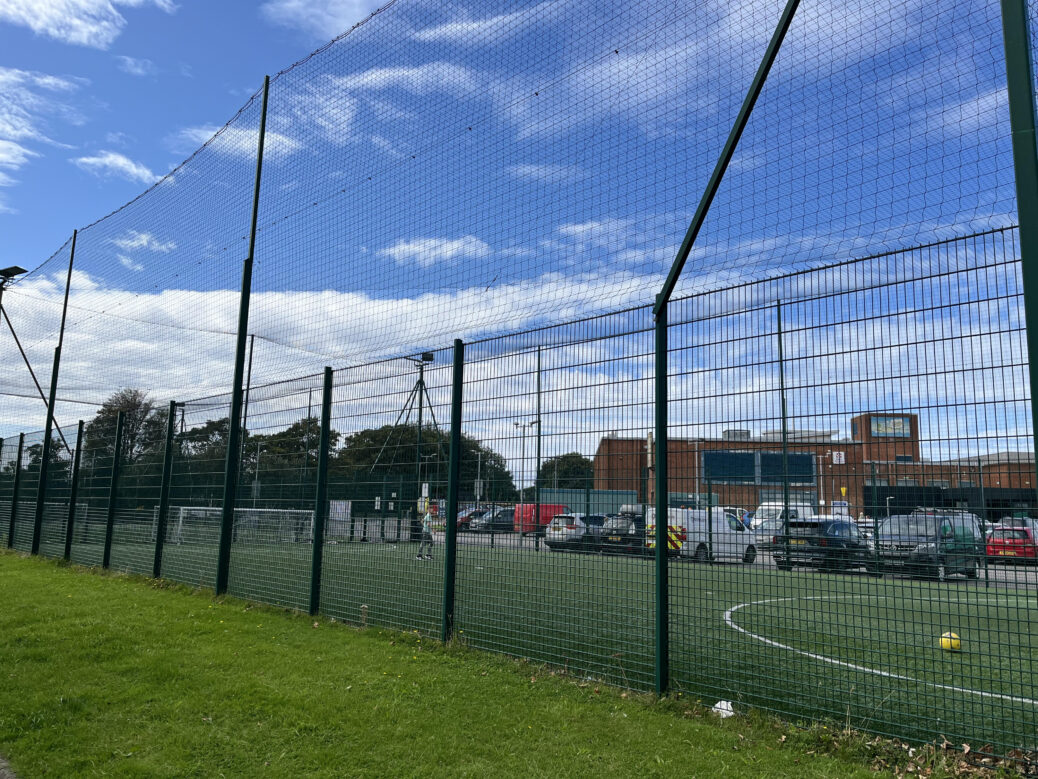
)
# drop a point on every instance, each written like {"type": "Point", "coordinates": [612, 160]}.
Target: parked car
{"type": "Point", "coordinates": [466, 516]}
{"type": "Point", "coordinates": [576, 532]}
{"type": "Point", "coordinates": [1013, 544]}
{"type": "Point", "coordinates": [703, 534]}
{"type": "Point", "coordinates": [501, 520]}
{"type": "Point", "coordinates": [930, 542]}
{"type": "Point", "coordinates": [526, 522]}
{"type": "Point", "coordinates": [766, 532]}
{"type": "Point", "coordinates": [624, 534]}
{"type": "Point", "coordinates": [565, 531]}
{"type": "Point", "coordinates": [826, 542]}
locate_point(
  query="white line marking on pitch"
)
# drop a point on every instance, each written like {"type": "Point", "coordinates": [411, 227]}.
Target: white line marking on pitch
{"type": "Point", "coordinates": [832, 661]}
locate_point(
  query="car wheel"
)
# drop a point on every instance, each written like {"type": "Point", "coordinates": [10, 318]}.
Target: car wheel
{"type": "Point", "coordinates": [971, 569]}
{"type": "Point", "coordinates": [701, 555]}
{"type": "Point", "coordinates": [940, 572]}
{"type": "Point", "coordinates": [749, 555]}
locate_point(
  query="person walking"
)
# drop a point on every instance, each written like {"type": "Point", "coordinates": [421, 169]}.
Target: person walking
{"type": "Point", "coordinates": [427, 536]}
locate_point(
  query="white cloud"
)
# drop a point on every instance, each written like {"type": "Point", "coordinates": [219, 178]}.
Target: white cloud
{"type": "Point", "coordinates": [26, 97]}
{"type": "Point", "coordinates": [136, 67]}
{"type": "Point", "coordinates": [478, 32]}
{"type": "Point", "coordinates": [236, 141]}
{"type": "Point", "coordinates": [553, 174]}
{"type": "Point", "coordinates": [129, 263]}
{"type": "Point", "coordinates": [319, 18]}
{"type": "Point", "coordinates": [419, 79]}
{"type": "Point", "coordinates": [110, 163]}
{"type": "Point", "coordinates": [94, 23]}
{"type": "Point", "coordinates": [424, 252]}
{"type": "Point", "coordinates": [137, 240]}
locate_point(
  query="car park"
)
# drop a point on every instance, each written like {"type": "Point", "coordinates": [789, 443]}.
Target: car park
{"type": "Point", "coordinates": [825, 542]}
{"type": "Point", "coordinates": [1012, 545]}
{"type": "Point", "coordinates": [930, 542]}
{"type": "Point", "coordinates": [501, 520]}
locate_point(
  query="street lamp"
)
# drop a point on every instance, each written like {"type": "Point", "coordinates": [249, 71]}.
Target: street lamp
{"type": "Point", "coordinates": [889, 498]}
{"type": "Point", "coordinates": [6, 275]}
{"type": "Point", "coordinates": [522, 453]}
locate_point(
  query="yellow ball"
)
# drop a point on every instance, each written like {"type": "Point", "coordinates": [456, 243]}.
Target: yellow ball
{"type": "Point", "coordinates": [950, 642]}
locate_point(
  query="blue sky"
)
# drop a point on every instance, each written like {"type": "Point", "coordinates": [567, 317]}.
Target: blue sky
{"type": "Point", "coordinates": [464, 169]}
{"type": "Point", "coordinates": [98, 97]}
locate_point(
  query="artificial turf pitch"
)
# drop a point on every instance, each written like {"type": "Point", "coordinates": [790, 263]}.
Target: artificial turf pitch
{"type": "Point", "coordinates": [847, 647]}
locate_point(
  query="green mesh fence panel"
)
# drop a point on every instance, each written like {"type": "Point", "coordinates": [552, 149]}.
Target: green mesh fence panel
{"type": "Point", "coordinates": [381, 476]}
{"type": "Point", "coordinates": [196, 491]}
{"type": "Point", "coordinates": [841, 494]}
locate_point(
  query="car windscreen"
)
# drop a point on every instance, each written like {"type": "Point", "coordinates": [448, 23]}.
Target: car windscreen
{"type": "Point", "coordinates": [909, 526]}
{"type": "Point", "coordinates": [764, 514]}
{"type": "Point", "coordinates": [1009, 535]}
{"type": "Point", "coordinates": [618, 523]}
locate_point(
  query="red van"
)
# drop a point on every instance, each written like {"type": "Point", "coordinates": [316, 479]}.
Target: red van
{"type": "Point", "coordinates": [528, 520]}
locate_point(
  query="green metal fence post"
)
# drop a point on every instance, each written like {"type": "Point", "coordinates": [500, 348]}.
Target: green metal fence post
{"type": "Point", "coordinates": [73, 495]}
{"type": "Point", "coordinates": [710, 520]}
{"type": "Point", "coordinates": [113, 490]}
{"type": "Point", "coordinates": [14, 490]}
{"type": "Point", "coordinates": [1020, 84]}
{"type": "Point", "coordinates": [785, 430]}
{"type": "Point", "coordinates": [321, 496]}
{"type": "Point", "coordinates": [167, 477]}
{"type": "Point", "coordinates": [453, 477]}
{"type": "Point", "coordinates": [233, 462]}
{"type": "Point", "coordinates": [41, 487]}
{"type": "Point", "coordinates": [662, 513]}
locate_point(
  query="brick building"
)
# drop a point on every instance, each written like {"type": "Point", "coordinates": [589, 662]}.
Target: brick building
{"type": "Point", "coordinates": [879, 467]}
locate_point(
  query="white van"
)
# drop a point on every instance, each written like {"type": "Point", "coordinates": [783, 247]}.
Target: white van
{"type": "Point", "coordinates": [703, 536]}
{"type": "Point", "coordinates": [774, 510]}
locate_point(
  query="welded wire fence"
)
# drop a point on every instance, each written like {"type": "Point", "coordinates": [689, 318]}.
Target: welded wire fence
{"type": "Point", "coordinates": [834, 416]}
{"type": "Point", "coordinates": [850, 479]}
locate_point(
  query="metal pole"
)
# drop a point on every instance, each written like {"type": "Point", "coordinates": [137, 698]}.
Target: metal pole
{"type": "Point", "coordinates": [113, 490]}
{"type": "Point", "coordinates": [537, 472]}
{"type": "Point", "coordinates": [662, 513]}
{"type": "Point", "coordinates": [785, 431]}
{"type": "Point", "coordinates": [415, 532]}
{"type": "Point", "coordinates": [73, 495]}
{"type": "Point", "coordinates": [1020, 81]}
{"type": "Point", "coordinates": [14, 491]}
{"type": "Point", "coordinates": [41, 487]}
{"type": "Point", "coordinates": [450, 555]}
{"type": "Point", "coordinates": [230, 481]}
{"type": "Point", "coordinates": [321, 496]}
{"type": "Point", "coordinates": [727, 153]}
{"type": "Point", "coordinates": [167, 477]}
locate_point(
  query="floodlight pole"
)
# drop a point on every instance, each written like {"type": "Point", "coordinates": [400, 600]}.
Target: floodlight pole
{"type": "Point", "coordinates": [233, 462]}
{"type": "Point", "coordinates": [1019, 81]}
{"type": "Point", "coordinates": [41, 487]}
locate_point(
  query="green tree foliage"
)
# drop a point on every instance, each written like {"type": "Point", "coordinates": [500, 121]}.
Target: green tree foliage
{"type": "Point", "coordinates": [566, 471]}
{"type": "Point", "coordinates": [390, 453]}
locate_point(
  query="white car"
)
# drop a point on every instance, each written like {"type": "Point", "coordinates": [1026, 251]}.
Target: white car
{"type": "Point", "coordinates": [565, 531]}
{"type": "Point", "coordinates": [704, 536]}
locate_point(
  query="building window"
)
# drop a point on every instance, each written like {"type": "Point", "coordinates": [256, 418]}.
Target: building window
{"type": "Point", "coordinates": [965, 483]}
{"type": "Point", "coordinates": [907, 482]}
{"type": "Point", "coordinates": [903, 458]}
{"type": "Point", "coordinates": [801, 468]}
{"type": "Point", "coordinates": [854, 430]}
{"type": "Point", "coordinates": [875, 482]}
{"type": "Point", "coordinates": [942, 483]}
{"type": "Point", "coordinates": [729, 467]}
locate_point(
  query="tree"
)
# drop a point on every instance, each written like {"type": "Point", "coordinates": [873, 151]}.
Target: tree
{"type": "Point", "coordinates": [390, 453]}
{"type": "Point", "coordinates": [144, 426]}
{"type": "Point", "coordinates": [566, 471]}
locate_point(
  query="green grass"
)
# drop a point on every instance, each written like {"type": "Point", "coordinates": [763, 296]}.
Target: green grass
{"type": "Point", "coordinates": [116, 676]}
{"type": "Point", "coordinates": [855, 650]}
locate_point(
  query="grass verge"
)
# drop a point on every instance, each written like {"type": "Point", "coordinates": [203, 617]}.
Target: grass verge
{"type": "Point", "coordinates": [116, 675]}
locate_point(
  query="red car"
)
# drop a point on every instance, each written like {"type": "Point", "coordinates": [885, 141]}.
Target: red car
{"type": "Point", "coordinates": [1012, 543]}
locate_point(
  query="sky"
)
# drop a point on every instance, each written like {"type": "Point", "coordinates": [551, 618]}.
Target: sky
{"type": "Point", "coordinates": [99, 98]}
{"type": "Point", "coordinates": [472, 169]}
